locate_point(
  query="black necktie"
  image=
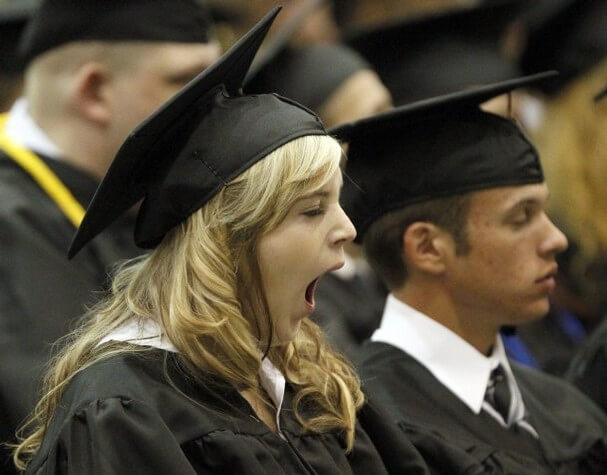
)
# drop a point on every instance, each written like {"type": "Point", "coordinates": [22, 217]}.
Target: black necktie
{"type": "Point", "coordinates": [498, 392]}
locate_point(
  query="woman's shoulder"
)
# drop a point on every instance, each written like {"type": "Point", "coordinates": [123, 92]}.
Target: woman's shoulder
{"type": "Point", "coordinates": [139, 400]}
{"type": "Point", "coordinates": [152, 381]}
{"type": "Point", "coordinates": [135, 375]}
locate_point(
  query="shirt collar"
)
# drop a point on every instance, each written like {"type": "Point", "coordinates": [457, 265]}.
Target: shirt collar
{"type": "Point", "coordinates": [454, 362]}
{"type": "Point", "coordinates": [273, 381]}
{"type": "Point", "coordinates": [21, 129]}
{"type": "Point", "coordinates": [144, 332]}
{"type": "Point", "coordinates": [148, 332]}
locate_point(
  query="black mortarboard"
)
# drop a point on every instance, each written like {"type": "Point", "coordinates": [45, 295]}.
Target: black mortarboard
{"type": "Point", "coordinates": [424, 56]}
{"type": "Point", "coordinates": [433, 148]}
{"type": "Point", "coordinates": [567, 35]}
{"type": "Point", "coordinates": [196, 143]}
{"type": "Point", "coordinates": [62, 21]}
{"type": "Point", "coordinates": [13, 18]}
{"type": "Point", "coordinates": [308, 74]}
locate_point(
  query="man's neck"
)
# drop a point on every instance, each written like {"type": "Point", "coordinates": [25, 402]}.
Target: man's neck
{"type": "Point", "coordinates": [81, 144]}
{"type": "Point", "coordinates": [432, 301]}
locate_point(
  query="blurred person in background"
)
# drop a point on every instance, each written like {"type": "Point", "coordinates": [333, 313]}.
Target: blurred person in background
{"type": "Point", "coordinates": [357, 13]}
{"type": "Point", "coordinates": [569, 36]}
{"type": "Point", "coordinates": [94, 71]}
{"type": "Point", "coordinates": [319, 25]}
{"type": "Point", "coordinates": [13, 17]}
{"type": "Point", "coordinates": [588, 369]}
{"type": "Point", "coordinates": [439, 52]}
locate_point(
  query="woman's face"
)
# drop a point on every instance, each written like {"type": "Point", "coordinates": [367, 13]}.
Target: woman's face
{"type": "Point", "coordinates": [306, 244]}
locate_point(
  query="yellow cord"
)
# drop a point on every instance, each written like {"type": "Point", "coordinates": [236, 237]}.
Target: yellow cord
{"type": "Point", "coordinates": [43, 175]}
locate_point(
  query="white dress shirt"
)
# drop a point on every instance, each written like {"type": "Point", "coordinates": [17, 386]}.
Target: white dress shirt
{"type": "Point", "coordinates": [21, 129]}
{"type": "Point", "coordinates": [147, 332]}
{"type": "Point", "coordinates": [454, 362]}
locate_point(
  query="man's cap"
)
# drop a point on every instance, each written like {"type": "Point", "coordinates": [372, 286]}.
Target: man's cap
{"type": "Point", "coordinates": [440, 52]}
{"type": "Point", "coordinates": [196, 143]}
{"type": "Point", "coordinates": [567, 35]}
{"type": "Point", "coordinates": [63, 21]}
{"type": "Point", "coordinates": [434, 148]}
{"type": "Point", "coordinates": [14, 15]}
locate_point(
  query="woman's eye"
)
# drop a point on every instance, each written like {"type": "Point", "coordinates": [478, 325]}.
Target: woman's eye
{"type": "Point", "coordinates": [314, 212]}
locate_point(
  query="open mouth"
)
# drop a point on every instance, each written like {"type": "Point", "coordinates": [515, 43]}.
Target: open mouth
{"type": "Point", "coordinates": [310, 291]}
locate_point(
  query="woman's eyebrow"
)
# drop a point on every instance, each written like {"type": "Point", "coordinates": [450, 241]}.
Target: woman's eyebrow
{"type": "Point", "coordinates": [315, 194]}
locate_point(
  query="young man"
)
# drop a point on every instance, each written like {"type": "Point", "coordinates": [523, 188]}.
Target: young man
{"type": "Point", "coordinates": [449, 202]}
{"type": "Point", "coordinates": [95, 69]}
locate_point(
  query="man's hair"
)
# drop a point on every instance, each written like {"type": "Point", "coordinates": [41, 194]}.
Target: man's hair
{"type": "Point", "coordinates": [383, 241]}
{"type": "Point", "coordinates": [48, 77]}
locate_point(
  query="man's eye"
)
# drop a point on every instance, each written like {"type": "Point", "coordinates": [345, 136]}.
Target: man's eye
{"type": "Point", "coordinates": [523, 217]}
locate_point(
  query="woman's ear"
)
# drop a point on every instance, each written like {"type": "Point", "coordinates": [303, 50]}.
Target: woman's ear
{"type": "Point", "coordinates": [425, 246]}
{"type": "Point", "coordinates": [90, 94]}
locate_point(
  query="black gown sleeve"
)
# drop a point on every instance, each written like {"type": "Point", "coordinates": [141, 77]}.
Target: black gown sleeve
{"type": "Point", "coordinates": [41, 292]}
{"type": "Point", "coordinates": [114, 437]}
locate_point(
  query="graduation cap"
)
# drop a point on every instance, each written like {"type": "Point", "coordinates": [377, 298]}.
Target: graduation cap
{"type": "Point", "coordinates": [62, 21]}
{"type": "Point", "coordinates": [434, 148]}
{"type": "Point", "coordinates": [432, 54]}
{"type": "Point", "coordinates": [567, 35]}
{"type": "Point", "coordinates": [14, 15]}
{"type": "Point", "coordinates": [196, 143]}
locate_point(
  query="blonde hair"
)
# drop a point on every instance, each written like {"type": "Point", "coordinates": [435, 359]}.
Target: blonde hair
{"type": "Point", "coordinates": [196, 286]}
{"type": "Point", "coordinates": [572, 142]}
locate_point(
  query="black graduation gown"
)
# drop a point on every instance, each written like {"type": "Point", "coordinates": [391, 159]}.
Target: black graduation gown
{"type": "Point", "coordinates": [122, 416]}
{"type": "Point", "coordinates": [41, 292]}
{"type": "Point", "coordinates": [588, 370]}
{"type": "Point", "coordinates": [453, 440]}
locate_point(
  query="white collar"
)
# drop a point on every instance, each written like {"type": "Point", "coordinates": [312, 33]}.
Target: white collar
{"type": "Point", "coordinates": [453, 361]}
{"type": "Point", "coordinates": [21, 129]}
{"type": "Point", "coordinates": [147, 332]}
{"type": "Point", "coordinates": [273, 381]}
{"type": "Point", "coordinates": [144, 332]}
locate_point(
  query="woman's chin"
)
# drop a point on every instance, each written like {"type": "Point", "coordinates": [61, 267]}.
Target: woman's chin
{"type": "Point", "coordinates": [284, 336]}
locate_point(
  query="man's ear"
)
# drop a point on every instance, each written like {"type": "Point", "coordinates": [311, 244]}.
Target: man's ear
{"type": "Point", "coordinates": [425, 246]}
{"type": "Point", "coordinates": [90, 93]}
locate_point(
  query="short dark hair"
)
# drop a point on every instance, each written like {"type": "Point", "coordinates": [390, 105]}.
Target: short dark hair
{"type": "Point", "coordinates": [383, 242]}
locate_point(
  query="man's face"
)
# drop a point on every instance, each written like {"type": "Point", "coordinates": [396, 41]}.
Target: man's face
{"type": "Point", "coordinates": [161, 71]}
{"type": "Point", "coordinates": [509, 271]}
